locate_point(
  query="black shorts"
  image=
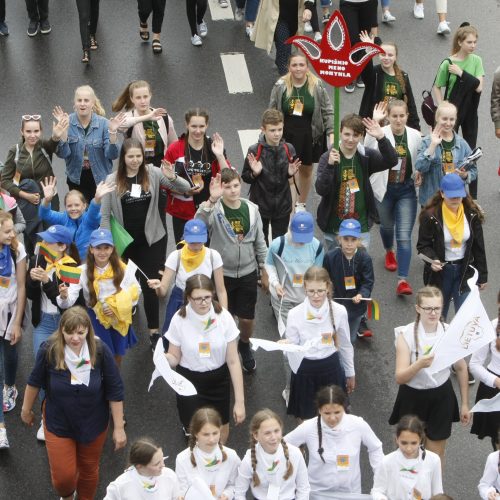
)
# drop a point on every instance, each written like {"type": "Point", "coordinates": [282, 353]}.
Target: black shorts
{"type": "Point", "coordinates": [242, 295]}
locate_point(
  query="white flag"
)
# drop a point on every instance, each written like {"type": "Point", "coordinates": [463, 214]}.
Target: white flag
{"type": "Point", "coordinates": [469, 330]}
{"type": "Point", "coordinates": [487, 405]}
{"type": "Point", "coordinates": [181, 385]}
{"type": "Point", "coordinates": [129, 275]}
{"type": "Point", "coordinates": [198, 490]}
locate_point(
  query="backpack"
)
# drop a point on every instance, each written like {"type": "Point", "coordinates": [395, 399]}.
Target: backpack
{"type": "Point", "coordinates": [428, 106]}
{"type": "Point", "coordinates": [128, 132]}
{"type": "Point", "coordinates": [282, 246]}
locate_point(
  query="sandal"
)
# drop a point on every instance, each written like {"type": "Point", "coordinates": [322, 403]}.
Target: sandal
{"type": "Point", "coordinates": [143, 31]}
{"type": "Point", "coordinates": [93, 43]}
{"type": "Point", "coordinates": [157, 48]}
{"type": "Point", "coordinates": [86, 56]}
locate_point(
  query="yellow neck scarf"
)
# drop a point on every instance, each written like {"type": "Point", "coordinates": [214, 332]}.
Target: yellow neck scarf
{"type": "Point", "coordinates": [106, 275]}
{"type": "Point", "coordinates": [192, 260]}
{"type": "Point", "coordinates": [454, 222]}
{"type": "Point", "coordinates": [65, 259]}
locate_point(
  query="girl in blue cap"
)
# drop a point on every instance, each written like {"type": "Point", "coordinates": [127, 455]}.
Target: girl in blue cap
{"type": "Point", "coordinates": [110, 290]}
{"type": "Point", "coordinates": [193, 258]}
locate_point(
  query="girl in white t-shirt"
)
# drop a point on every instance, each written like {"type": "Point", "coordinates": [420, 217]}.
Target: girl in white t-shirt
{"type": "Point", "coordinates": [147, 478]}
{"type": "Point", "coordinates": [489, 486]}
{"type": "Point", "coordinates": [12, 304]}
{"type": "Point", "coordinates": [429, 396]}
{"type": "Point", "coordinates": [193, 258]}
{"type": "Point", "coordinates": [271, 468]}
{"type": "Point", "coordinates": [334, 441]}
{"type": "Point", "coordinates": [202, 346]}
{"type": "Point", "coordinates": [411, 471]}
{"type": "Point", "coordinates": [206, 458]}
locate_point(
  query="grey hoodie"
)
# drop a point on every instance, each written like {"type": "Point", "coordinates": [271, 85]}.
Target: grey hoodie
{"type": "Point", "coordinates": [239, 257]}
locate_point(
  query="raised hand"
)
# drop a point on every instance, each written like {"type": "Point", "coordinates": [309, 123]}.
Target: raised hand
{"type": "Point", "coordinates": [116, 122]}
{"type": "Point", "coordinates": [60, 127]}
{"type": "Point", "coordinates": [436, 137]}
{"type": "Point", "coordinates": [255, 165]}
{"type": "Point", "coordinates": [58, 112]}
{"type": "Point", "coordinates": [217, 145]}
{"type": "Point", "coordinates": [216, 187]}
{"type": "Point", "coordinates": [293, 167]}
{"type": "Point", "coordinates": [380, 112]}
{"type": "Point", "coordinates": [102, 189]}
{"type": "Point", "coordinates": [49, 188]}
{"type": "Point", "coordinates": [158, 113]}
{"type": "Point", "coordinates": [168, 170]}
{"type": "Point", "coordinates": [364, 36]}
{"type": "Point", "coordinates": [373, 128]}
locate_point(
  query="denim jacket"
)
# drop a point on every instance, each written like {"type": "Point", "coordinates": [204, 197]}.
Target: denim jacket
{"type": "Point", "coordinates": [101, 153]}
{"type": "Point", "coordinates": [431, 167]}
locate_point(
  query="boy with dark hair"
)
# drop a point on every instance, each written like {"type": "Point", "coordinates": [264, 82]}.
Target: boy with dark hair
{"type": "Point", "coordinates": [269, 165]}
{"type": "Point", "coordinates": [235, 230]}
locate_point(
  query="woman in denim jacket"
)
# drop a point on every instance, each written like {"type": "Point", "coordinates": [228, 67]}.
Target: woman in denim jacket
{"type": "Point", "coordinates": [442, 152]}
{"type": "Point", "coordinates": [90, 147]}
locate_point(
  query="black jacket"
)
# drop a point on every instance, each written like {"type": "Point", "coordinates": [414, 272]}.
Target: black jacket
{"type": "Point", "coordinates": [361, 265]}
{"type": "Point", "coordinates": [431, 243]}
{"type": "Point", "coordinates": [374, 83]}
{"type": "Point", "coordinates": [465, 98]}
{"type": "Point", "coordinates": [270, 190]}
{"type": "Point", "coordinates": [372, 160]}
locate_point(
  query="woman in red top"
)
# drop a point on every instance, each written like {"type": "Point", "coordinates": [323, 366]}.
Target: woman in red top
{"type": "Point", "coordinates": [196, 158]}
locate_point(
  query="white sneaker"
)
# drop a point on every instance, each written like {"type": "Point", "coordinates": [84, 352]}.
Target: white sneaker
{"type": "Point", "coordinates": [202, 29]}
{"type": "Point", "coordinates": [443, 28]}
{"type": "Point", "coordinates": [4, 442]}
{"type": "Point", "coordinates": [223, 3]}
{"type": "Point", "coordinates": [388, 17]}
{"type": "Point", "coordinates": [40, 435]}
{"type": "Point", "coordinates": [196, 41]}
{"type": "Point", "coordinates": [307, 27]}
{"type": "Point", "coordinates": [249, 31]}
{"type": "Point", "coordinates": [239, 14]}
{"type": "Point", "coordinates": [317, 36]}
{"type": "Point", "coordinates": [418, 10]}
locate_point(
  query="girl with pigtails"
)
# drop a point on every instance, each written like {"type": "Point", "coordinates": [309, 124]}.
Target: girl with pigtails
{"type": "Point", "coordinates": [430, 397]}
{"type": "Point", "coordinates": [333, 440]}
{"type": "Point", "coordinates": [271, 468]}
{"type": "Point", "coordinates": [322, 325]}
{"type": "Point", "coordinates": [207, 458]}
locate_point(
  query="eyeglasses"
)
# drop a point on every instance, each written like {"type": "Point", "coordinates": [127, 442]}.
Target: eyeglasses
{"type": "Point", "coordinates": [312, 293]}
{"type": "Point", "coordinates": [28, 118]}
{"type": "Point", "coordinates": [201, 300]}
{"type": "Point", "coordinates": [429, 310]}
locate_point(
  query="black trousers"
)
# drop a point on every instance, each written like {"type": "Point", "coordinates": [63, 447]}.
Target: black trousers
{"type": "Point", "coordinates": [87, 185]}
{"type": "Point", "coordinates": [195, 11]}
{"type": "Point", "coordinates": [279, 226]}
{"type": "Point", "coordinates": [2, 11]}
{"type": "Point", "coordinates": [38, 10]}
{"type": "Point", "coordinates": [88, 15]}
{"type": "Point", "coordinates": [157, 7]}
{"type": "Point", "coordinates": [178, 226]}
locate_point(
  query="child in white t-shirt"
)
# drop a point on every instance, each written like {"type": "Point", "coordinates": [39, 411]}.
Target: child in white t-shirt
{"type": "Point", "coordinates": [489, 486]}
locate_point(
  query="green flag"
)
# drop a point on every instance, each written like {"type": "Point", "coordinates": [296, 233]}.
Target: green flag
{"type": "Point", "coordinates": [121, 238]}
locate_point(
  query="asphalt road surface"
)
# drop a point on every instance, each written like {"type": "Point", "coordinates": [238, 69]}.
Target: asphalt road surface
{"type": "Point", "coordinates": [38, 73]}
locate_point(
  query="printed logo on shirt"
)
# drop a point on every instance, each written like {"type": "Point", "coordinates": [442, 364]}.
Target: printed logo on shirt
{"type": "Point", "coordinates": [209, 324]}
{"type": "Point", "coordinates": [273, 466]}
{"type": "Point", "coordinates": [211, 462]}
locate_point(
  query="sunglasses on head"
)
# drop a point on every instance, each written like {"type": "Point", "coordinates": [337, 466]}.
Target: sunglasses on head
{"type": "Point", "coordinates": [27, 118]}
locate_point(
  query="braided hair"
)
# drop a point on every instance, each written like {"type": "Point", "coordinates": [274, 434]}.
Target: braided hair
{"type": "Point", "coordinates": [412, 423]}
{"type": "Point", "coordinates": [425, 292]}
{"type": "Point", "coordinates": [398, 73]}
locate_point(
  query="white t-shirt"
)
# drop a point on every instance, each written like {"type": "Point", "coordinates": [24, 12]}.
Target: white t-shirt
{"type": "Point", "coordinates": [342, 446]}
{"type": "Point", "coordinates": [397, 476]}
{"type": "Point", "coordinates": [211, 257]}
{"type": "Point", "coordinates": [491, 477]}
{"type": "Point", "coordinates": [132, 486]}
{"type": "Point", "coordinates": [223, 478]}
{"type": "Point", "coordinates": [202, 339]}
{"type": "Point", "coordinates": [478, 361]}
{"type": "Point", "coordinates": [423, 379]}
{"type": "Point", "coordinates": [295, 487]}
{"type": "Point", "coordinates": [458, 253]}
{"type": "Point", "coordinates": [8, 295]}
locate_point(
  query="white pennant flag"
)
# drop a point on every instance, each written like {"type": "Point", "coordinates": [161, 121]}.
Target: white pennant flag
{"type": "Point", "coordinates": [469, 330]}
{"type": "Point", "coordinates": [198, 490]}
{"type": "Point", "coordinates": [181, 385]}
{"type": "Point", "coordinates": [487, 405]}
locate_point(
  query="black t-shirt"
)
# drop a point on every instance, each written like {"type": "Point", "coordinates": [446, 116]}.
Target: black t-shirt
{"type": "Point", "coordinates": [289, 12]}
{"type": "Point", "coordinates": [135, 210]}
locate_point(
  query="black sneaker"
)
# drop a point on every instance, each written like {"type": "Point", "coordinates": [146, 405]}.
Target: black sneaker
{"type": "Point", "coordinates": [247, 360]}
{"type": "Point", "coordinates": [32, 28]}
{"type": "Point", "coordinates": [153, 339]}
{"type": "Point", "coordinates": [45, 27]}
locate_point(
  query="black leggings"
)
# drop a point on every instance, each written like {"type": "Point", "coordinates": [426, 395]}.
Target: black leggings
{"type": "Point", "coordinates": [150, 259]}
{"type": "Point", "coordinates": [195, 11]}
{"type": "Point", "coordinates": [157, 7]}
{"type": "Point", "coordinates": [283, 51]}
{"type": "Point", "coordinates": [88, 14]}
{"type": "Point", "coordinates": [87, 185]}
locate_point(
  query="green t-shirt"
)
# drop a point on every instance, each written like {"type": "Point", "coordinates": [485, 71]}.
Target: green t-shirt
{"type": "Point", "coordinates": [349, 195]}
{"type": "Point", "coordinates": [472, 64]}
{"type": "Point", "coordinates": [392, 88]}
{"type": "Point", "coordinates": [402, 171]}
{"type": "Point", "coordinates": [239, 218]}
{"type": "Point", "coordinates": [447, 156]}
{"type": "Point", "coordinates": [153, 145]}
{"type": "Point", "coordinates": [300, 94]}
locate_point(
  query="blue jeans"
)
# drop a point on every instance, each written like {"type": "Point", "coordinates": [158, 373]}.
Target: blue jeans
{"type": "Point", "coordinates": [354, 322]}
{"type": "Point", "coordinates": [331, 241]}
{"type": "Point", "coordinates": [250, 9]}
{"type": "Point", "coordinates": [385, 3]}
{"type": "Point", "coordinates": [397, 213]}
{"type": "Point", "coordinates": [451, 287]}
{"type": "Point", "coordinates": [49, 323]}
{"type": "Point", "coordinates": [8, 366]}
{"type": "Point", "coordinates": [325, 3]}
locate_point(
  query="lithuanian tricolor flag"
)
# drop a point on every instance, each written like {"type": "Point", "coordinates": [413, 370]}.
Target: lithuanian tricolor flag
{"type": "Point", "coordinates": [373, 310]}
{"type": "Point", "coordinates": [44, 250]}
{"type": "Point", "coordinates": [69, 274]}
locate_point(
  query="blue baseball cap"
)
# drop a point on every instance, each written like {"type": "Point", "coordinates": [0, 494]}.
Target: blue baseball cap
{"type": "Point", "coordinates": [195, 231]}
{"type": "Point", "coordinates": [57, 234]}
{"type": "Point", "coordinates": [350, 227]}
{"type": "Point", "coordinates": [453, 186]}
{"type": "Point", "coordinates": [101, 237]}
{"type": "Point", "coordinates": [302, 227]}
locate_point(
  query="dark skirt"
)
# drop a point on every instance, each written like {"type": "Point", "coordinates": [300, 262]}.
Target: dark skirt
{"type": "Point", "coordinates": [111, 337]}
{"type": "Point", "coordinates": [312, 375]}
{"type": "Point", "coordinates": [298, 132]}
{"type": "Point", "coordinates": [173, 305]}
{"type": "Point", "coordinates": [437, 408]}
{"type": "Point", "coordinates": [486, 423]}
{"type": "Point", "coordinates": [214, 390]}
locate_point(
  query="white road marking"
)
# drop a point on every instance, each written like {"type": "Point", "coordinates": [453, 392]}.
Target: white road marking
{"type": "Point", "coordinates": [247, 138]}
{"type": "Point", "coordinates": [236, 71]}
{"type": "Point", "coordinates": [218, 13]}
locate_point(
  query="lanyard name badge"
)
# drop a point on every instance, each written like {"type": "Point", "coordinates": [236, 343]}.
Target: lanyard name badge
{"type": "Point", "coordinates": [343, 463]}
{"type": "Point", "coordinates": [353, 185]}
{"type": "Point", "coordinates": [298, 107]}
{"type": "Point", "coordinates": [326, 338]}
{"type": "Point", "coordinates": [298, 281]}
{"type": "Point", "coordinates": [349, 283]}
{"type": "Point", "coordinates": [4, 282]}
{"type": "Point", "coordinates": [149, 143]}
{"type": "Point", "coordinates": [204, 349]}
{"type": "Point", "coordinates": [135, 190]}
